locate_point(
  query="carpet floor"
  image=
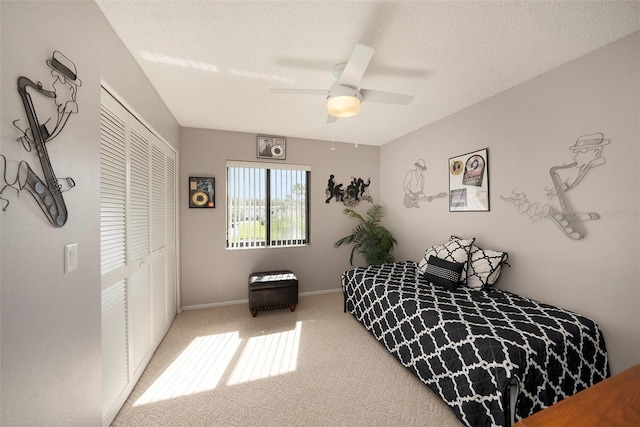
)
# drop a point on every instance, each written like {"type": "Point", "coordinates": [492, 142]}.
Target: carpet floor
{"type": "Point", "coordinates": [316, 366]}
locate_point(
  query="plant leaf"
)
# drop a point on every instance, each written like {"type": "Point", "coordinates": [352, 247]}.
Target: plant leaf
{"type": "Point", "coordinates": [369, 237]}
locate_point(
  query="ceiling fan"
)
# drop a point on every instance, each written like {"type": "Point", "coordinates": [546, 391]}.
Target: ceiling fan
{"type": "Point", "coordinates": [345, 95]}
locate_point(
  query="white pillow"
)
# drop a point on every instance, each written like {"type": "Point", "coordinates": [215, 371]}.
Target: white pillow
{"type": "Point", "coordinates": [485, 266]}
{"type": "Point", "coordinates": [455, 250]}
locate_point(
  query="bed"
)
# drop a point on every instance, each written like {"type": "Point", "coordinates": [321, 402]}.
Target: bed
{"type": "Point", "coordinates": [494, 357]}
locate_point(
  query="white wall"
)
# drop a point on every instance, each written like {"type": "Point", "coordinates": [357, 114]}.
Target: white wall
{"type": "Point", "coordinates": [212, 274]}
{"type": "Point", "coordinates": [50, 321]}
{"type": "Point", "coordinates": [527, 130]}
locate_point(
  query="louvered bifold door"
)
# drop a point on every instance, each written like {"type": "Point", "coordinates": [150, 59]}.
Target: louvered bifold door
{"type": "Point", "coordinates": [138, 237]}
{"type": "Point", "coordinates": [113, 185]}
{"type": "Point", "coordinates": [158, 242]}
{"type": "Point", "coordinates": [112, 190]}
{"type": "Point", "coordinates": [115, 364]}
{"type": "Point", "coordinates": [171, 199]}
{"type": "Point", "coordinates": [158, 201]}
{"type": "Point", "coordinates": [171, 279]}
{"type": "Point", "coordinates": [138, 250]}
{"type": "Point", "coordinates": [139, 194]}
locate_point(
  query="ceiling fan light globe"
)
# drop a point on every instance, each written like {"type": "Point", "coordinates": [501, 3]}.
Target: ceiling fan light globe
{"type": "Point", "coordinates": [343, 106]}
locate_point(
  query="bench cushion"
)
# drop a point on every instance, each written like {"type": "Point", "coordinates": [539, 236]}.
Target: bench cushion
{"type": "Point", "coordinates": [272, 279]}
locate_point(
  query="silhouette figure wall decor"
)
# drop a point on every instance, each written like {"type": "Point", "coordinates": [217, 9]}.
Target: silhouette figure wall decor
{"type": "Point", "coordinates": [356, 191]}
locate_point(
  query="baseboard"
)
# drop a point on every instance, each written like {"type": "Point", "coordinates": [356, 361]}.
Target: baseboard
{"type": "Point", "coordinates": [246, 301]}
{"type": "Point", "coordinates": [326, 291]}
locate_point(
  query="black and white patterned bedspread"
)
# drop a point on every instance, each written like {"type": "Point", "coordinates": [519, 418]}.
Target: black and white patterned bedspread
{"type": "Point", "coordinates": [466, 344]}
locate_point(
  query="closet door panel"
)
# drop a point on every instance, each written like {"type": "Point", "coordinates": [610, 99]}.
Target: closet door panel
{"type": "Point", "coordinates": [139, 243]}
{"type": "Point", "coordinates": [158, 201]}
{"type": "Point", "coordinates": [113, 251]}
{"type": "Point", "coordinates": [158, 296]}
{"type": "Point", "coordinates": [113, 164]}
{"type": "Point", "coordinates": [170, 285]}
{"type": "Point", "coordinates": [171, 185]}
{"type": "Point", "coordinates": [139, 193]}
{"type": "Point", "coordinates": [171, 282]}
{"type": "Point", "coordinates": [115, 355]}
{"type": "Point", "coordinates": [140, 299]}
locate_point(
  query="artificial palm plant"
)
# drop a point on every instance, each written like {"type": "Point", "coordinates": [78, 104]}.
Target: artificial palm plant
{"type": "Point", "coordinates": [369, 237]}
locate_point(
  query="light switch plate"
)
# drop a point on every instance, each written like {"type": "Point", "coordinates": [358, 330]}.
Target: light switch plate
{"type": "Point", "coordinates": [70, 257]}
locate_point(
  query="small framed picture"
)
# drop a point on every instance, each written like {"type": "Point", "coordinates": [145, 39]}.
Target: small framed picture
{"type": "Point", "coordinates": [469, 182]}
{"type": "Point", "coordinates": [202, 192]}
{"type": "Point", "coordinates": [271, 147]}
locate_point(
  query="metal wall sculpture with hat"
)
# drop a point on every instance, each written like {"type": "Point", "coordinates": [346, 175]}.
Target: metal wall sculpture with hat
{"type": "Point", "coordinates": [587, 154]}
{"type": "Point", "coordinates": [413, 186]}
{"type": "Point", "coordinates": [61, 103]}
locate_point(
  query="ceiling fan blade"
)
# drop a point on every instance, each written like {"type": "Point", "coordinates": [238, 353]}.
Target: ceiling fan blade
{"type": "Point", "coordinates": [300, 91]}
{"type": "Point", "coordinates": [369, 95]}
{"type": "Point", "coordinates": [356, 66]}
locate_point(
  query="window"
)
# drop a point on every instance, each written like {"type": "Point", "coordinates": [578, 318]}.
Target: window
{"type": "Point", "coordinates": [267, 205]}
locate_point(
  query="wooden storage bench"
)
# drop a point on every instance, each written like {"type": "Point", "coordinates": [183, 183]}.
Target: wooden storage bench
{"type": "Point", "coordinates": [272, 289]}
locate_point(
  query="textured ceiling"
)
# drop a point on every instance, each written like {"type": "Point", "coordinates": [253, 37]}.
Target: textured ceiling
{"type": "Point", "coordinates": [213, 62]}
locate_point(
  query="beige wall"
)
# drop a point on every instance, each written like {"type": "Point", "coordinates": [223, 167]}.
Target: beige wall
{"type": "Point", "coordinates": [212, 274]}
{"type": "Point", "coordinates": [51, 321]}
{"type": "Point", "coordinates": [527, 130]}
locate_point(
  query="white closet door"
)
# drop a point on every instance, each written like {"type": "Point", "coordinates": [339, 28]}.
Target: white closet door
{"type": "Point", "coordinates": [113, 135]}
{"type": "Point", "coordinates": [140, 298]}
{"type": "Point", "coordinates": [115, 354]}
{"type": "Point", "coordinates": [139, 194]}
{"type": "Point", "coordinates": [171, 198]}
{"type": "Point", "coordinates": [138, 238]}
{"type": "Point", "coordinates": [115, 340]}
{"type": "Point", "coordinates": [171, 272]}
{"type": "Point", "coordinates": [158, 201]}
{"type": "Point", "coordinates": [137, 222]}
{"type": "Point", "coordinates": [158, 241]}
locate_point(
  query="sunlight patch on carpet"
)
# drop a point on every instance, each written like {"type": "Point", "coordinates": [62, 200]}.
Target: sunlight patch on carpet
{"type": "Point", "coordinates": [267, 356]}
{"type": "Point", "coordinates": [198, 368]}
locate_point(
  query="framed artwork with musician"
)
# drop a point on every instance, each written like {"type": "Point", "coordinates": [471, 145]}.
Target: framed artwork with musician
{"type": "Point", "coordinates": [469, 182]}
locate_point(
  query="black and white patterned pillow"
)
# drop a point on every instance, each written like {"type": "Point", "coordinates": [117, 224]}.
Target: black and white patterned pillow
{"type": "Point", "coordinates": [455, 250]}
{"type": "Point", "coordinates": [443, 273]}
{"type": "Point", "coordinates": [485, 266]}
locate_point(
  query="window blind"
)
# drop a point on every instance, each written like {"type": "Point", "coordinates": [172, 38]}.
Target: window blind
{"type": "Point", "coordinates": [267, 204]}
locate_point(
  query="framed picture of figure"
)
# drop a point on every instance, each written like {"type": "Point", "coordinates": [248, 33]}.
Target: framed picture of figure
{"type": "Point", "coordinates": [271, 147]}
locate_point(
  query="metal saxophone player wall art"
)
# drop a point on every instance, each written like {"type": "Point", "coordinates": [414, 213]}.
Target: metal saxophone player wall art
{"type": "Point", "coordinates": [43, 129]}
{"type": "Point", "coordinates": [587, 155]}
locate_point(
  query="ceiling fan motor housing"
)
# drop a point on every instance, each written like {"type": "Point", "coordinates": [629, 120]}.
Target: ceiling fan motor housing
{"type": "Point", "coordinates": [343, 101]}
